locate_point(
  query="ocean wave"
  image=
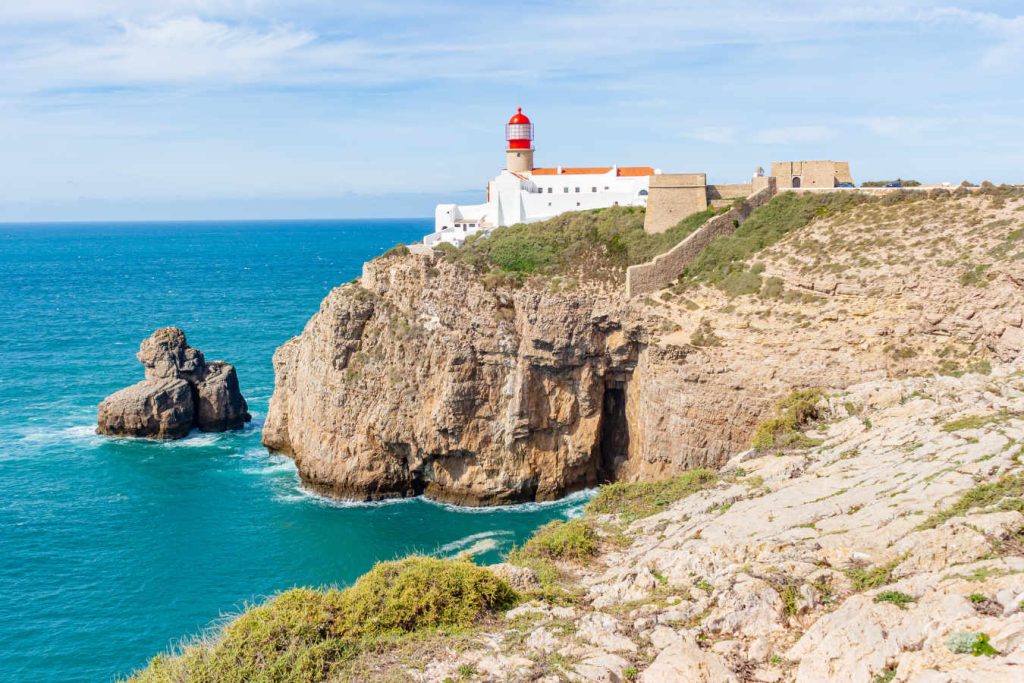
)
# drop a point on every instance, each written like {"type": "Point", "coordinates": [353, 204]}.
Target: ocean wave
{"type": "Point", "coordinates": [55, 435]}
{"type": "Point", "coordinates": [464, 544]}
{"type": "Point", "coordinates": [273, 465]}
{"type": "Point", "coordinates": [484, 545]}
{"type": "Point", "coordinates": [302, 494]}
{"type": "Point", "coordinates": [574, 503]}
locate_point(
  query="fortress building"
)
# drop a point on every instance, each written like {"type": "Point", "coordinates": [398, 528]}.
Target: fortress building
{"type": "Point", "coordinates": [522, 193]}
{"type": "Point", "coordinates": [797, 174]}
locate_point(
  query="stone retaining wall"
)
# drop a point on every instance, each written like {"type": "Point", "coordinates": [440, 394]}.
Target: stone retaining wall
{"type": "Point", "coordinates": [649, 277]}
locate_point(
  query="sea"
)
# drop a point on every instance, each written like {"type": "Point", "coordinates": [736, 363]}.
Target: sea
{"type": "Point", "coordinates": [113, 550]}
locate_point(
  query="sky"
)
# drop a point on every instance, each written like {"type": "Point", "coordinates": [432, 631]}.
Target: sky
{"type": "Point", "coordinates": [193, 109]}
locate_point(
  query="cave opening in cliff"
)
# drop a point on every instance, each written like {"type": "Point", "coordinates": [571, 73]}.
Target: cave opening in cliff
{"type": "Point", "coordinates": [614, 446]}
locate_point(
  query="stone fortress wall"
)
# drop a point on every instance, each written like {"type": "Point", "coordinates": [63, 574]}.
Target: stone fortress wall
{"type": "Point", "coordinates": [796, 174]}
{"type": "Point", "coordinates": [649, 277]}
{"type": "Point", "coordinates": [674, 196]}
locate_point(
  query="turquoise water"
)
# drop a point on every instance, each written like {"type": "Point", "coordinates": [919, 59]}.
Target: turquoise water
{"type": "Point", "coordinates": [111, 550]}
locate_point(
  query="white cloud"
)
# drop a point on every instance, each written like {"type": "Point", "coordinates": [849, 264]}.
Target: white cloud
{"type": "Point", "coordinates": [172, 50]}
{"type": "Point", "coordinates": [53, 43]}
{"type": "Point", "coordinates": [1008, 32]}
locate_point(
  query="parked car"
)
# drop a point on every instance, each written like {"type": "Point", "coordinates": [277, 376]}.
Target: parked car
{"type": "Point", "coordinates": [845, 185]}
{"type": "Point", "coordinates": [894, 183]}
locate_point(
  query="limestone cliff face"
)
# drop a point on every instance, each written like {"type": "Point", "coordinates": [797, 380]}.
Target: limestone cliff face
{"type": "Point", "coordinates": [419, 380]}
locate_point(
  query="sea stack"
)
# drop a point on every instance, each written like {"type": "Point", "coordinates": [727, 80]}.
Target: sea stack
{"type": "Point", "coordinates": [181, 391]}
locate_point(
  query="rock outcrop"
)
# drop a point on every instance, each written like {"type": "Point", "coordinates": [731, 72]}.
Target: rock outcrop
{"type": "Point", "coordinates": [181, 392]}
{"type": "Point", "coordinates": [418, 380]}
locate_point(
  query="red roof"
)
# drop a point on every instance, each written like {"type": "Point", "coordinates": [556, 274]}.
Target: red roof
{"type": "Point", "coordinates": [596, 170]}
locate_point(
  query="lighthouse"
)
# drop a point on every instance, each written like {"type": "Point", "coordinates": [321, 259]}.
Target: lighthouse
{"type": "Point", "coordinates": [524, 193]}
{"type": "Point", "coordinates": [519, 139]}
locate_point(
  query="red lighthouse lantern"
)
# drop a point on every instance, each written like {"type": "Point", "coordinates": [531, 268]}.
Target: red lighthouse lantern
{"type": "Point", "coordinates": [519, 136]}
{"type": "Point", "coordinates": [519, 131]}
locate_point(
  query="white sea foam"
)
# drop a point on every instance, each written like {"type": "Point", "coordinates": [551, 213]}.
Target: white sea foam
{"type": "Point", "coordinates": [463, 544]}
{"type": "Point", "coordinates": [51, 435]}
{"type": "Point", "coordinates": [480, 547]}
{"type": "Point", "coordinates": [574, 502]}
{"type": "Point", "coordinates": [273, 465]}
{"type": "Point", "coordinates": [301, 494]}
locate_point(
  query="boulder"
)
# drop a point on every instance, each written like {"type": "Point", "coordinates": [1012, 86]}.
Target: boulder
{"type": "Point", "coordinates": [181, 392]}
{"type": "Point", "coordinates": [161, 409]}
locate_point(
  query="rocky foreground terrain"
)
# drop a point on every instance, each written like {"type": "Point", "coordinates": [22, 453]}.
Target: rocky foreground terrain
{"type": "Point", "coordinates": [181, 392]}
{"type": "Point", "coordinates": [432, 376]}
{"type": "Point", "coordinates": [889, 547]}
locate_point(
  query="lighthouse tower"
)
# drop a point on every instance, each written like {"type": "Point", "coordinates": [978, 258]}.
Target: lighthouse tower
{"type": "Point", "coordinates": [519, 135]}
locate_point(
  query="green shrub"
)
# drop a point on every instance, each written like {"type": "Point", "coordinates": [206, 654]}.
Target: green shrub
{"type": "Point", "coordinates": [305, 635]}
{"type": "Point", "coordinates": [558, 540]}
{"type": "Point", "coordinates": [613, 237]}
{"type": "Point", "coordinates": [634, 500]}
{"type": "Point", "coordinates": [866, 578]}
{"type": "Point", "coordinates": [704, 335]}
{"type": "Point", "coordinates": [967, 642]}
{"type": "Point", "coordinates": [792, 414]}
{"type": "Point", "coordinates": [397, 250]}
{"type": "Point", "coordinates": [1007, 493]}
{"type": "Point", "coordinates": [897, 598]}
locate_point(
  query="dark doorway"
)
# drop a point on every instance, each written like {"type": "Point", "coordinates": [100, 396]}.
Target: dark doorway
{"type": "Point", "coordinates": [796, 181]}
{"type": "Point", "coordinates": [614, 432]}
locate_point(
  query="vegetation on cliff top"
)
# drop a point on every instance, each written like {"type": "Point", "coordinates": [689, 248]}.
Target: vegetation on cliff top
{"type": "Point", "coordinates": [308, 635]}
{"type": "Point", "coordinates": [723, 263]}
{"type": "Point", "coordinates": [612, 237]}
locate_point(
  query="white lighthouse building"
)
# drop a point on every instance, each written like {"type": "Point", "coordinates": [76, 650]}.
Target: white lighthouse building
{"type": "Point", "coordinates": [522, 193]}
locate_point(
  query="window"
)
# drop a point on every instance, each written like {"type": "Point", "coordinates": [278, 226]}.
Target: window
{"type": "Point", "coordinates": [566, 189]}
{"type": "Point", "coordinates": [577, 189]}
{"type": "Point", "coordinates": [643, 193]}
{"type": "Point", "coordinates": [550, 189]}
{"type": "Point", "coordinates": [577, 203]}
{"type": "Point", "coordinates": [606, 187]}
{"type": "Point", "coordinates": [593, 189]}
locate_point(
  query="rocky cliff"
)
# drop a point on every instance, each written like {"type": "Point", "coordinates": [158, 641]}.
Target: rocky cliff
{"type": "Point", "coordinates": [418, 379]}
{"type": "Point", "coordinates": [427, 376]}
{"type": "Point", "coordinates": [181, 392]}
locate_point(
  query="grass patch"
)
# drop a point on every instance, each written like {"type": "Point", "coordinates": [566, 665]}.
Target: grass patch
{"type": "Point", "coordinates": [573, 540]}
{"type": "Point", "coordinates": [642, 499]}
{"type": "Point", "coordinates": [973, 421]}
{"type": "Point", "coordinates": [897, 598]}
{"type": "Point", "coordinates": [866, 578]}
{"type": "Point", "coordinates": [792, 414]}
{"type": "Point", "coordinates": [1007, 493]}
{"type": "Point", "coordinates": [306, 635]}
{"type": "Point", "coordinates": [613, 237]}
